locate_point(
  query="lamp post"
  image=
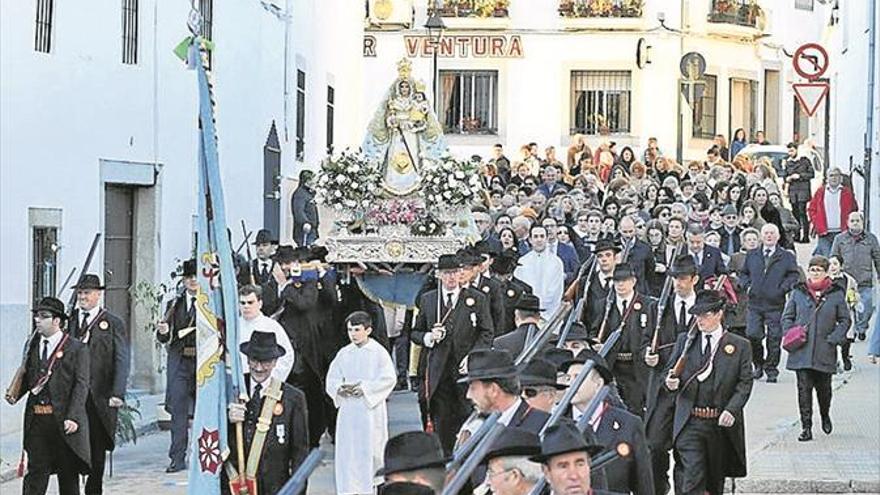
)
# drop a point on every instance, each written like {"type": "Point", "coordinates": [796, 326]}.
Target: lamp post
{"type": "Point", "coordinates": [435, 28]}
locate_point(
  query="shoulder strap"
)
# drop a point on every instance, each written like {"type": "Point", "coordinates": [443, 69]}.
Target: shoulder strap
{"type": "Point", "coordinates": [50, 367]}
{"type": "Point", "coordinates": [272, 396]}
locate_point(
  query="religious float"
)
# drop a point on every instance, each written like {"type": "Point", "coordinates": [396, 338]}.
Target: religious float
{"type": "Point", "coordinates": [402, 198]}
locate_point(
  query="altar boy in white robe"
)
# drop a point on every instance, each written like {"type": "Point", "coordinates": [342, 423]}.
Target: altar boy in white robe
{"type": "Point", "coordinates": [543, 271]}
{"type": "Point", "coordinates": [360, 379]}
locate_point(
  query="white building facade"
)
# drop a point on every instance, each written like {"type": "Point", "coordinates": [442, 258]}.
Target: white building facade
{"type": "Point", "coordinates": [99, 129]}
{"type": "Point", "coordinates": [544, 70]}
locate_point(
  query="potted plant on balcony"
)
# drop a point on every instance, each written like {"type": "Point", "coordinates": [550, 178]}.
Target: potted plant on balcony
{"type": "Point", "coordinates": [601, 8]}
{"type": "Point", "coordinates": [447, 9]}
{"type": "Point", "coordinates": [465, 8]}
{"type": "Point", "coordinates": [566, 8]}
{"type": "Point", "coordinates": [501, 8]}
{"type": "Point", "coordinates": [753, 12]}
{"type": "Point", "coordinates": [632, 8]}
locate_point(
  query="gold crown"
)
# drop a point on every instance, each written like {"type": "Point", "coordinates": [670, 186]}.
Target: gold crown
{"type": "Point", "coordinates": [404, 68]}
{"type": "Point", "coordinates": [420, 86]}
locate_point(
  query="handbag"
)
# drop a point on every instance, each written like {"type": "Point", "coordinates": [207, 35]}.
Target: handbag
{"type": "Point", "coordinates": [794, 338]}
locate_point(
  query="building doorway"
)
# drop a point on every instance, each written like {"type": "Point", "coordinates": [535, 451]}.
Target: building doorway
{"type": "Point", "coordinates": [118, 249]}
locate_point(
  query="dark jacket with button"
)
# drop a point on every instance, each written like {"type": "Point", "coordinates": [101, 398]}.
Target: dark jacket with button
{"type": "Point", "coordinates": [632, 474]}
{"type": "Point", "coordinates": [511, 291]}
{"type": "Point", "coordinates": [769, 282]}
{"type": "Point", "coordinates": [304, 210]}
{"type": "Point", "coordinates": [493, 290]}
{"type": "Point", "coordinates": [110, 363]}
{"type": "Point", "coordinates": [826, 327]}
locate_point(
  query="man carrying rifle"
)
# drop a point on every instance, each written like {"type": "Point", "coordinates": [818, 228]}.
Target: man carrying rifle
{"type": "Point", "coordinates": [483, 254]}
{"type": "Point", "coordinates": [262, 267]}
{"type": "Point", "coordinates": [600, 285]}
{"type": "Point", "coordinates": [660, 403]}
{"type": "Point", "coordinates": [178, 334]}
{"type": "Point", "coordinates": [452, 321]}
{"type": "Point", "coordinates": [110, 361]}
{"type": "Point", "coordinates": [613, 425]}
{"type": "Point", "coordinates": [527, 314]}
{"type": "Point", "coordinates": [565, 458]}
{"type": "Point", "coordinates": [512, 289]}
{"type": "Point", "coordinates": [634, 314]}
{"type": "Point", "coordinates": [56, 429]}
{"type": "Point", "coordinates": [711, 378]}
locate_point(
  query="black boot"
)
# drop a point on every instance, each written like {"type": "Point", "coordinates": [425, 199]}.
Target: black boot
{"type": "Point", "coordinates": [806, 435]}
{"type": "Point", "coordinates": [826, 424]}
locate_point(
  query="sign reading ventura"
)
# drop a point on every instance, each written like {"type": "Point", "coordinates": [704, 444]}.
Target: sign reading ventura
{"type": "Point", "coordinates": [465, 46]}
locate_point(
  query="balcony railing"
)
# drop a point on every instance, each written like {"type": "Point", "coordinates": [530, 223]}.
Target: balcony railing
{"type": "Point", "coordinates": [472, 8]}
{"type": "Point", "coordinates": [601, 8]}
{"type": "Point", "coordinates": [740, 12]}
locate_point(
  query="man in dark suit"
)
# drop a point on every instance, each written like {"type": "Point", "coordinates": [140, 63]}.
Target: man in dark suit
{"type": "Point", "coordinates": [452, 321]}
{"type": "Point", "coordinates": [633, 314]}
{"type": "Point", "coordinates": [512, 289]}
{"type": "Point", "coordinates": [109, 363]}
{"type": "Point", "coordinates": [262, 267]}
{"type": "Point", "coordinates": [178, 334]}
{"type": "Point", "coordinates": [527, 313]}
{"type": "Point", "coordinates": [613, 425]}
{"type": "Point", "coordinates": [414, 458]}
{"type": "Point", "coordinates": [637, 253]}
{"type": "Point", "coordinates": [730, 231]}
{"type": "Point", "coordinates": [475, 273]}
{"type": "Point", "coordinates": [769, 273]}
{"type": "Point", "coordinates": [707, 258]}
{"type": "Point", "coordinates": [710, 395]}
{"type": "Point", "coordinates": [600, 286]}
{"type": "Point", "coordinates": [56, 428]}
{"type": "Point", "coordinates": [659, 402]}
{"type": "Point", "coordinates": [304, 210]}
{"type": "Point", "coordinates": [283, 443]}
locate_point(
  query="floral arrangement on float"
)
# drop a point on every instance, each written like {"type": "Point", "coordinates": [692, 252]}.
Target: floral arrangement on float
{"type": "Point", "coordinates": [449, 182]}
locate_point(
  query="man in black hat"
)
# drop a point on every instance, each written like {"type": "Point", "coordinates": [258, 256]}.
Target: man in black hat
{"type": "Point", "coordinates": [110, 361]}
{"type": "Point", "coordinates": [634, 314]}
{"type": "Point", "coordinates": [277, 449]}
{"type": "Point", "coordinates": [539, 384]}
{"type": "Point", "coordinates": [482, 255]}
{"type": "Point", "coordinates": [56, 429]}
{"type": "Point", "coordinates": [600, 285]}
{"type": "Point", "coordinates": [710, 394]}
{"type": "Point", "coordinates": [493, 386]}
{"type": "Point", "coordinates": [509, 470]}
{"type": "Point", "coordinates": [659, 402]}
{"type": "Point", "coordinates": [415, 457]}
{"type": "Point", "coordinates": [452, 321]}
{"type": "Point", "coordinates": [527, 315]}
{"type": "Point", "coordinates": [178, 334]}
{"type": "Point", "coordinates": [304, 210]}
{"type": "Point", "coordinates": [262, 267]}
{"type": "Point", "coordinates": [512, 289]}
{"type": "Point", "coordinates": [613, 425]}
{"type": "Point", "coordinates": [565, 457]}
{"type": "Point", "coordinates": [576, 340]}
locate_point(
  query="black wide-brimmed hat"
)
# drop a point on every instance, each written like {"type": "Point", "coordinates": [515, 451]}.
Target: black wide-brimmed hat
{"type": "Point", "coordinates": [319, 253]}
{"type": "Point", "coordinates": [605, 245]}
{"type": "Point", "coordinates": [486, 249]}
{"type": "Point", "coordinates": [486, 364]}
{"type": "Point", "coordinates": [469, 257]}
{"type": "Point", "coordinates": [52, 305]}
{"type": "Point", "coordinates": [557, 356]}
{"type": "Point", "coordinates": [264, 236]}
{"type": "Point", "coordinates": [708, 301]}
{"type": "Point", "coordinates": [601, 364]}
{"type": "Point", "coordinates": [683, 265]}
{"type": "Point", "coordinates": [623, 271]}
{"type": "Point", "coordinates": [563, 438]}
{"type": "Point", "coordinates": [262, 347]}
{"type": "Point", "coordinates": [514, 442]}
{"type": "Point", "coordinates": [528, 302]}
{"type": "Point", "coordinates": [89, 281]}
{"type": "Point", "coordinates": [448, 262]}
{"type": "Point", "coordinates": [284, 254]}
{"type": "Point", "coordinates": [189, 268]}
{"type": "Point", "coordinates": [406, 488]}
{"type": "Point", "coordinates": [540, 372]}
{"type": "Point", "coordinates": [576, 332]}
{"type": "Point", "coordinates": [410, 451]}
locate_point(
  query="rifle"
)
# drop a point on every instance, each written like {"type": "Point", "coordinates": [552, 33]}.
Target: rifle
{"type": "Point", "coordinates": [462, 475]}
{"type": "Point", "coordinates": [13, 391]}
{"type": "Point", "coordinates": [66, 281]}
{"type": "Point", "coordinates": [678, 368]}
{"type": "Point", "coordinates": [250, 259]}
{"type": "Point", "coordinates": [578, 311]}
{"type": "Point", "coordinates": [297, 482]}
{"type": "Point", "coordinates": [663, 301]}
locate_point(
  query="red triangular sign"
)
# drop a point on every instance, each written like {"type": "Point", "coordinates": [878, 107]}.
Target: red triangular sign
{"type": "Point", "coordinates": [810, 95]}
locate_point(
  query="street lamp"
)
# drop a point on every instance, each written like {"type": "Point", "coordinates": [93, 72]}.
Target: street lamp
{"type": "Point", "coordinates": [435, 28]}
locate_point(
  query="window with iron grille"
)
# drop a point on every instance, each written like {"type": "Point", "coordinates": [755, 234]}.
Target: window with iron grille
{"type": "Point", "coordinates": [300, 115]}
{"type": "Point", "coordinates": [129, 31]}
{"type": "Point", "coordinates": [331, 97]}
{"type": "Point", "coordinates": [600, 102]}
{"type": "Point", "coordinates": [45, 262]}
{"type": "Point", "coordinates": [704, 108]}
{"type": "Point", "coordinates": [43, 28]}
{"type": "Point", "coordinates": [803, 5]}
{"type": "Point", "coordinates": [469, 101]}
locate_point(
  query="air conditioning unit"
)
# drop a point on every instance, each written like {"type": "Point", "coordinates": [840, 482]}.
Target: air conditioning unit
{"type": "Point", "coordinates": [391, 13]}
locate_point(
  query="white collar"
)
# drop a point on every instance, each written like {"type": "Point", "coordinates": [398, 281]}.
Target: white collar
{"type": "Point", "coordinates": [453, 292]}
{"type": "Point", "coordinates": [507, 414]}
{"type": "Point", "coordinates": [688, 301]}
{"type": "Point", "coordinates": [53, 342]}
{"type": "Point", "coordinates": [716, 337]}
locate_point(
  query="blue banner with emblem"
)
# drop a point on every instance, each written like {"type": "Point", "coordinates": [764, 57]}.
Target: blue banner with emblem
{"type": "Point", "coordinates": [218, 372]}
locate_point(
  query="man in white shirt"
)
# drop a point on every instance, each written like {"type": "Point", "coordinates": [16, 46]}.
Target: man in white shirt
{"type": "Point", "coordinates": [250, 303]}
{"type": "Point", "coordinates": [543, 271]}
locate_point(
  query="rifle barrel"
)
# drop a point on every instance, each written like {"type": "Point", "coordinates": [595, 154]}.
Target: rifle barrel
{"type": "Point", "coordinates": [297, 482]}
{"type": "Point", "coordinates": [462, 475]}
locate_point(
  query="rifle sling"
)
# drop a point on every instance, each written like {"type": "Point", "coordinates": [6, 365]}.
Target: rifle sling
{"type": "Point", "coordinates": [272, 395]}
